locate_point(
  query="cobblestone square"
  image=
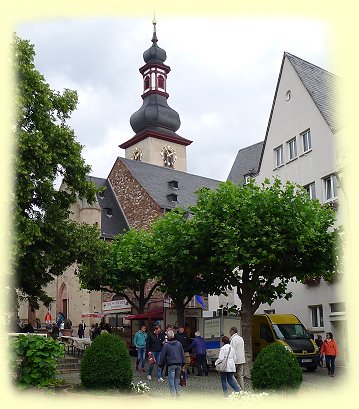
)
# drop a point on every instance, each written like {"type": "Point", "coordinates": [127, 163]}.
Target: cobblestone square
{"type": "Point", "coordinates": [210, 386]}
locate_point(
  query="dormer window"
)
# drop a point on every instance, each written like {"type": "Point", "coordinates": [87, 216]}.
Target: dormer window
{"type": "Point", "coordinates": [173, 184]}
{"type": "Point", "coordinates": [101, 194]}
{"type": "Point", "coordinates": [173, 197]}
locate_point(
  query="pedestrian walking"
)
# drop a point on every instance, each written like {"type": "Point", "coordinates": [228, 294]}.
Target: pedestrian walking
{"type": "Point", "coordinates": [81, 330]}
{"type": "Point", "coordinates": [154, 344]}
{"type": "Point", "coordinates": [172, 355]}
{"type": "Point", "coordinates": [200, 349]}
{"type": "Point", "coordinates": [165, 368]}
{"type": "Point", "coordinates": [330, 350]}
{"type": "Point", "coordinates": [139, 341]}
{"type": "Point", "coordinates": [319, 343]}
{"type": "Point", "coordinates": [185, 341]}
{"type": "Point", "coordinates": [227, 355]}
{"type": "Point", "coordinates": [237, 343]}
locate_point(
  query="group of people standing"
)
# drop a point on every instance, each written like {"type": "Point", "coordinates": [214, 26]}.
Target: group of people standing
{"type": "Point", "coordinates": [170, 350]}
{"type": "Point", "coordinates": [97, 329]}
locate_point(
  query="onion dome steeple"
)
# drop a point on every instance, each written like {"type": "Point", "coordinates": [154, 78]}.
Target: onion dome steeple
{"type": "Point", "coordinates": [155, 115]}
{"type": "Point", "coordinates": [154, 54]}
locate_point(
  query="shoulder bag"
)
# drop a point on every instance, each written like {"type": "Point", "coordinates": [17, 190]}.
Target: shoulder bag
{"type": "Point", "coordinates": [222, 366]}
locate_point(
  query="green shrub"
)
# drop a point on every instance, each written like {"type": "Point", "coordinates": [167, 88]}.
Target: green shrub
{"type": "Point", "coordinates": [275, 368]}
{"type": "Point", "coordinates": [106, 364]}
{"type": "Point", "coordinates": [34, 359]}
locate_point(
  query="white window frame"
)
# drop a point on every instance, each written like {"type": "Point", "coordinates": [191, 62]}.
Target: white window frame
{"type": "Point", "coordinates": [330, 188]}
{"type": "Point", "coordinates": [306, 141]}
{"type": "Point", "coordinates": [292, 149]}
{"type": "Point", "coordinates": [310, 188]}
{"type": "Point", "coordinates": [278, 155]}
{"type": "Point", "coordinates": [316, 316]}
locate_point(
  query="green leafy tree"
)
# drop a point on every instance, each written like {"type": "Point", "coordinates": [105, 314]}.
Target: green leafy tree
{"type": "Point", "coordinates": [46, 241]}
{"type": "Point", "coordinates": [181, 263]}
{"type": "Point", "coordinates": [126, 268]}
{"type": "Point", "coordinates": [259, 238]}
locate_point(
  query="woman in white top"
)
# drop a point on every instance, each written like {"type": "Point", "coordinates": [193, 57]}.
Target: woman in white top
{"type": "Point", "coordinates": [228, 354]}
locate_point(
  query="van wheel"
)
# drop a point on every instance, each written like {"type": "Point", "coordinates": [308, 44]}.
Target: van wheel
{"type": "Point", "coordinates": [312, 368]}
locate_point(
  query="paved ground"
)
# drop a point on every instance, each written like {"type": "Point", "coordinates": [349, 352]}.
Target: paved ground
{"type": "Point", "coordinates": [210, 386]}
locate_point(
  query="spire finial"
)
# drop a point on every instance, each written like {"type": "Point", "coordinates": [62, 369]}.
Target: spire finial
{"type": "Point", "coordinates": [154, 22]}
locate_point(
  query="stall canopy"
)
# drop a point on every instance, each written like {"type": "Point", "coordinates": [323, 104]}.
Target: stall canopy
{"type": "Point", "coordinates": [152, 314]}
{"type": "Point", "coordinates": [93, 315]}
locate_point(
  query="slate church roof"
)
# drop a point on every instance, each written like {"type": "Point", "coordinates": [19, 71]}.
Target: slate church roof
{"type": "Point", "coordinates": [246, 163]}
{"type": "Point", "coordinates": [159, 183]}
{"type": "Point", "coordinates": [113, 221]}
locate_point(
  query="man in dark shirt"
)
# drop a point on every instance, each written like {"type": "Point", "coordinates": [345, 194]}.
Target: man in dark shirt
{"type": "Point", "coordinates": [185, 341]}
{"type": "Point", "coordinates": [154, 344]}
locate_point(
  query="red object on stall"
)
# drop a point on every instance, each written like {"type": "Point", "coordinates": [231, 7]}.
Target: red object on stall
{"type": "Point", "coordinates": [93, 315]}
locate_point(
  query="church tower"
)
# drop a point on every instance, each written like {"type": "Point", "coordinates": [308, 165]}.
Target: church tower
{"type": "Point", "coordinates": [155, 123]}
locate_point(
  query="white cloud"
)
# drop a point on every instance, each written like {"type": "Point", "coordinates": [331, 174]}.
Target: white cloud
{"type": "Point", "coordinates": [222, 80]}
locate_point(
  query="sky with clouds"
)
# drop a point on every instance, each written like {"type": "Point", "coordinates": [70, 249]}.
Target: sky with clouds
{"type": "Point", "coordinates": [222, 81]}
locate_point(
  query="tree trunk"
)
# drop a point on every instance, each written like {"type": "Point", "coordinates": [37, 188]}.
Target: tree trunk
{"type": "Point", "coordinates": [141, 306]}
{"type": "Point", "coordinates": [247, 324]}
{"type": "Point", "coordinates": [180, 307]}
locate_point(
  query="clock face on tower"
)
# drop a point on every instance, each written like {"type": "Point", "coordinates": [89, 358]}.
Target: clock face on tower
{"type": "Point", "coordinates": [169, 156]}
{"type": "Point", "coordinates": [137, 154]}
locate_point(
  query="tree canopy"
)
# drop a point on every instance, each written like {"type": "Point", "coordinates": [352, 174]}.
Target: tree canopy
{"type": "Point", "coordinates": [178, 263]}
{"type": "Point", "coordinates": [126, 268]}
{"type": "Point", "coordinates": [263, 237]}
{"type": "Point", "coordinates": [46, 241]}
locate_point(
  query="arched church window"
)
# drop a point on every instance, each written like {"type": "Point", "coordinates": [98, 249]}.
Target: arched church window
{"type": "Point", "coordinates": [161, 82]}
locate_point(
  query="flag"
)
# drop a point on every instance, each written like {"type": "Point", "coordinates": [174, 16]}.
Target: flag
{"type": "Point", "coordinates": [200, 301]}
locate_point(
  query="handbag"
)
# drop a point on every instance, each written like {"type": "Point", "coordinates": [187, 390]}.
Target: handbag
{"type": "Point", "coordinates": [222, 366]}
{"type": "Point", "coordinates": [151, 359]}
{"type": "Point", "coordinates": [183, 378]}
